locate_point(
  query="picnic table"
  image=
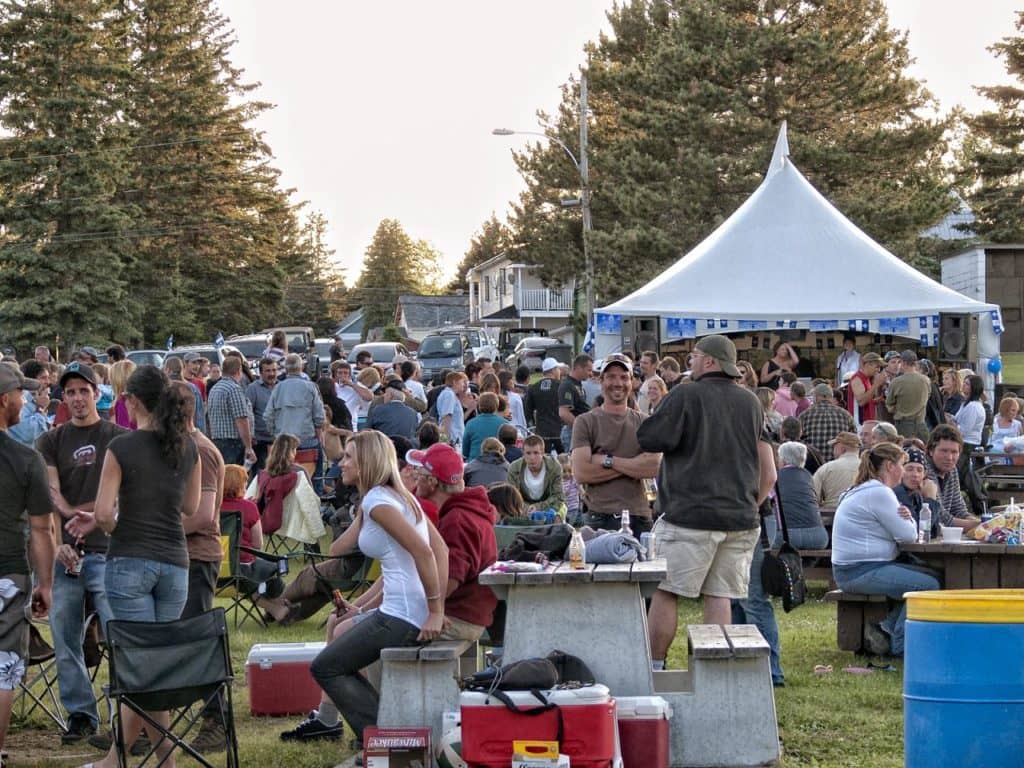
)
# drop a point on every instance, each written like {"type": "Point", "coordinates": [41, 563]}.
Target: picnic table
{"type": "Point", "coordinates": [973, 565]}
{"type": "Point", "coordinates": [596, 612]}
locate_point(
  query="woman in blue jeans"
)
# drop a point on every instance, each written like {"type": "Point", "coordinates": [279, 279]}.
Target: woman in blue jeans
{"type": "Point", "coordinates": [869, 526]}
{"type": "Point", "coordinates": [414, 570]}
{"type": "Point", "coordinates": [150, 478]}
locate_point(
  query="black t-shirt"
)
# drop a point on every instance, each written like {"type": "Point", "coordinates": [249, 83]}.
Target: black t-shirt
{"type": "Point", "coordinates": [570, 393]}
{"type": "Point", "coordinates": [77, 453]}
{"type": "Point", "coordinates": [23, 488]}
{"type": "Point", "coordinates": [541, 407]}
{"type": "Point", "coordinates": [149, 503]}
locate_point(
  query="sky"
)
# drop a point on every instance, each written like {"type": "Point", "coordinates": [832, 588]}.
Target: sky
{"type": "Point", "coordinates": [385, 109]}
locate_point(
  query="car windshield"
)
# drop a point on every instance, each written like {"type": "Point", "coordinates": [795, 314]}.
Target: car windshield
{"type": "Point", "coordinates": [440, 346]}
{"type": "Point", "coordinates": [382, 353]}
{"type": "Point", "coordinates": [252, 349]}
{"type": "Point", "coordinates": [323, 348]}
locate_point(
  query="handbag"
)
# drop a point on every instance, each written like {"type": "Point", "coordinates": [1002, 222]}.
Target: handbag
{"type": "Point", "coordinates": [782, 574]}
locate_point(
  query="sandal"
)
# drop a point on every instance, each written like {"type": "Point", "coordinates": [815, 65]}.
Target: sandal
{"type": "Point", "coordinates": [822, 669]}
{"type": "Point", "coordinates": [858, 670]}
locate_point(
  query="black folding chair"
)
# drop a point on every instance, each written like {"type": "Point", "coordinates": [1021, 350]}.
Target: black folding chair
{"type": "Point", "coordinates": [242, 592]}
{"type": "Point", "coordinates": [171, 665]}
{"type": "Point", "coordinates": [38, 689]}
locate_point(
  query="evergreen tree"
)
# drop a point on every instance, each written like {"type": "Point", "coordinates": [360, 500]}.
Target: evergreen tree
{"type": "Point", "coordinates": [686, 99]}
{"type": "Point", "coordinates": [207, 191]}
{"type": "Point", "coordinates": [394, 265]}
{"type": "Point", "coordinates": [992, 159]}
{"type": "Point", "coordinates": [493, 239]}
{"type": "Point", "coordinates": [314, 287]}
{"type": "Point", "coordinates": [66, 226]}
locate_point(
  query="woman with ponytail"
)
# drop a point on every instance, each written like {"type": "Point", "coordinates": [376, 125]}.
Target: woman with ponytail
{"type": "Point", "coordinates": [150, 478]}
{"type": "Point", "coordinates": [869, 526]}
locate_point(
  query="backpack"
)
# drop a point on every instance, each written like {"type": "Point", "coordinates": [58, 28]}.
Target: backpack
{"type": "Point", "coordinates": [549, 540]}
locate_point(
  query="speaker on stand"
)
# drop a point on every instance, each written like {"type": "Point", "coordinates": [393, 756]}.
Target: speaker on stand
{"type": "Point", "coordinates": [958, 337]}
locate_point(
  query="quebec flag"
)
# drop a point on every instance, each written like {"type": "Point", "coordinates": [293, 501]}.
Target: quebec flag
{"type": "Point", "coordinates": [588, 340]}
{"type": "Point", "coordinates": [170, 342]}
{"type": "Point", "coordinates": [219, 341]}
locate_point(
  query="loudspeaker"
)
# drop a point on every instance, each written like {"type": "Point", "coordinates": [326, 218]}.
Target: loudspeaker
{"type": "Point", "coordinates": [958, 337]}
{"type": "Point", "coordinates": [641, 334]}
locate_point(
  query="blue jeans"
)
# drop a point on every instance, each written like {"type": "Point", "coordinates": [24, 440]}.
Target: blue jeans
{"type": "Point", "coordinates": [892, 580]}
{"type": "Point", "coordinates": [67, 624]}
{"type": "Point", "coordinates": [803, 538]}
{"type": "Point", "coordinates": [145, 590]}
{"type": "Point", "coordinates": [232, 449]}
{"type": "Point", "coordinates": [757, 609]}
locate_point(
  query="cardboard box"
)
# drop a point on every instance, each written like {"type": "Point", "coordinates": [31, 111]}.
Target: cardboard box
{"type": "Point", "coordinates": [397, 748]}
{"type": "Point", "coordinates": [562, 761]}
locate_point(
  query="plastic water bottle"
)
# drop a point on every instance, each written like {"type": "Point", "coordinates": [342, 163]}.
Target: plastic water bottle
{"type": "Point", "coordinates": [577, 551]}
{"type": "Point", "coordinates": [625, 527]}
{"type": "Point", "coordinates": [924, 525]}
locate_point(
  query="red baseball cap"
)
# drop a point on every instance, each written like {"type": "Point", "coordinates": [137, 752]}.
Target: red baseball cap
{"type": "Point", "coordinates": [441, 460]}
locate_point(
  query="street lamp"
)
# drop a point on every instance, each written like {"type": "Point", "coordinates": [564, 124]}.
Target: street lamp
{"type": "Point", "coordinates": [583, 169]}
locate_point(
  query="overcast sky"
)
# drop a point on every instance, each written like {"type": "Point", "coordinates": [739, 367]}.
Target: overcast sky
{"type": "Point", "coordinates": [385, 109]}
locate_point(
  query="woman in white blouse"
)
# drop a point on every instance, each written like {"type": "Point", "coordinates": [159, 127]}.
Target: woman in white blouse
{"type": "Point", "coordinates": [970, 419]}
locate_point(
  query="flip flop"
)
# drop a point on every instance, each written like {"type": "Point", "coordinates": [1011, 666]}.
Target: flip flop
{"type": "Point", "coordinates": [881, 667]}
{"type": "Point", "coordinates": [822, 669]}
{"type": "Point", "coordinates": [858, 670]}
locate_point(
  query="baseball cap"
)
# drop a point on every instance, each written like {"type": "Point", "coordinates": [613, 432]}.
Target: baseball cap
{"type": "Point", "coordinates": [892, 354]}
{"type": "Point", "coordinates": [618, 359]}
{"type": "Point", "coordinates": [190, 357]}
{"type": "Point", "coordinates": [89, 352]}
{"type": "Point", "coordinates": [723, 350]}
{"type": "Point", "coordinates": [915, 456]}
{"type": "Point", "coordinates": [81, 370]}
{"type": "Point", "coordinates": [549, 364]}
{"type": "Point", "coordinates": [11, 379]}
{"type": "Point", "coordinates": [887, 429]}
{"type": "Point", "coordinates": [441, 460]}
{"type": "Point", "coordinates": [870, 357]}
{"type": "Point", "coordinates": [848, 439]}
{"type": "Point", "coordinates": [823, 390]}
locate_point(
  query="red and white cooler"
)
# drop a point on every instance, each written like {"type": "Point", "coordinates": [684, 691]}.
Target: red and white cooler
{"type": "Point", "coordinates": [279, 679]}
{"type": "Point", "coordinates": [588, 726]}
{"type": "Point", "coordinates": [644, 731]}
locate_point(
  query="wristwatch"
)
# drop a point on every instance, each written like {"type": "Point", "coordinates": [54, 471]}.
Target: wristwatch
{"type": "Point", "coordinates": [607, 463]}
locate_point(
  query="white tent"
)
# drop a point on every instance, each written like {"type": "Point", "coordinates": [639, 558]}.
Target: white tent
{"type": "Point", "coordinates": [787, 259]}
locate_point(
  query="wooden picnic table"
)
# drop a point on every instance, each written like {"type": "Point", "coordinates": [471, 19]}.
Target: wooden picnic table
{"type": "Point", "coordinates": [596, 613]}
{"type": "Point", "coordinates": [973, 566]}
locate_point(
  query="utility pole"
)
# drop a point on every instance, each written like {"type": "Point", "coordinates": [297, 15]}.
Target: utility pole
{"type": "Point", "coordinates": [588, 265]}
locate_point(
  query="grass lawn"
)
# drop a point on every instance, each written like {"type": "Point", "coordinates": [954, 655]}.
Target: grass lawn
{"type": "Point", "coordinates": [1013, 367]}
{"type": "Point", "coordinates": [839, 719]}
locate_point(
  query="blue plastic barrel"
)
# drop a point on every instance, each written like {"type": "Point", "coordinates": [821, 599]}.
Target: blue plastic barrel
{"type": "Point", "coordinates": [963, 679]}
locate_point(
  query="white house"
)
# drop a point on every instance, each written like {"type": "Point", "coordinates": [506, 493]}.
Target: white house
{"type": "Point", "coordinates": [504, 291]}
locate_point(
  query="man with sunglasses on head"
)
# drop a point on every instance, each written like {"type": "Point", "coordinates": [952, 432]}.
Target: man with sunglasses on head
{"type": "Point", "coordinates": [74, 454]}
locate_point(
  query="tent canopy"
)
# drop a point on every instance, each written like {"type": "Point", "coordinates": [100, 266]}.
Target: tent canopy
{"type": "Point", "coordinates": [788, 257]}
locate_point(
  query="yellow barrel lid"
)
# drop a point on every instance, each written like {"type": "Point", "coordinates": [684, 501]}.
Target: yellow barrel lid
{"type": "Point", "coordinates": [967, 606]}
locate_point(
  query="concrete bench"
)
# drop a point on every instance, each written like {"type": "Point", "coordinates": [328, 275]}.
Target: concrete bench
{"type": "Point", "coordinates": [418, 684]}
{"type": "Point", "coordinates": [723, 704]}
{"type": "Point", "coordinates": [853, 611]}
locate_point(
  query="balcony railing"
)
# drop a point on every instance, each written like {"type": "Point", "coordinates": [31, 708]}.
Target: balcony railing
{"type": "Point", "coordinates": [545, 300]}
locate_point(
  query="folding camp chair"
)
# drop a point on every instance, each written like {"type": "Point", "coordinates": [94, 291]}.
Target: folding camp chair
{"type": "Point", "coordinates": [38, 689]}
{"type": "Point", "coordinates": [161, 666]}
{"type": "Point", "coordinates": [230, 582]}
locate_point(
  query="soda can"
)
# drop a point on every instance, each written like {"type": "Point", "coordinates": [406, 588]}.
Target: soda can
{"type": "Point", "coordinates": [647, 541]}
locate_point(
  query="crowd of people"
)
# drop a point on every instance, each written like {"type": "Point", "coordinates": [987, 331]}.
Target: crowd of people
{"type": "Point", "coordinates": [133, 466]}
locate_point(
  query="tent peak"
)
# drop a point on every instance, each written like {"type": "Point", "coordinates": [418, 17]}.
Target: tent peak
{"type": "Point", "coordinates": [781, 153]}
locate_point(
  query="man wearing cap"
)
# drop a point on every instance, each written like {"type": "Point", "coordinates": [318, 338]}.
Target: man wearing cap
{"type": "Point", "coordinates": [863, 391]}
{"type": "Point", "coordinates": [834, 477]}
{"type": "Point", "coordinates": [73, 454]}
{"type": "Point", "coordinates": [193, 366]}
{"type": "Point", "coordinates": [907, 399]}
{"type": "Point", "coordinates": [392, 416]}
{"type": "Point", "coordinates": [607, 460]}
{"type": "Point", "coordinates": [87, 355]}
{"type": "Point", "coordinates": [572, 401]}
{"type": "Point", "coordinates": [540, 403]}
{"type": "Point", "coordinates": [892, 368]}
{"type": "Point", "coordinates": [466, 523]}
{"type": "Point", "coordinates": [716, 471]}
{"type": "Point", "coordinates": [24, 507]}
{"type": "Point", "coordinates": [33, 422]}
{"type": "Point", "coordinates": [231, 417]}
{"type": "Point", "coordinates": [820, 423]}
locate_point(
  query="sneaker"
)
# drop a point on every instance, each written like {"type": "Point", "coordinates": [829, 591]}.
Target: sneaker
{"type": "Point", "coordinates": [79, 727]}
{"type": "Point", "coordinates": [876, 640]}
{"type": "Point", "coordinates": [211, 738]}
{"type": "Point", "coordinates": [104, 741]}
{"type": "Point", "coordinates": [312, 729]}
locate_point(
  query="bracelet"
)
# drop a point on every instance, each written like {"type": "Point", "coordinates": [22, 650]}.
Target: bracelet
{"type": "Point", "coordinates": [434, 597]}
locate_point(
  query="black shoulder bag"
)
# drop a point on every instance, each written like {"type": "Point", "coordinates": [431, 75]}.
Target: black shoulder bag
{"type": "Point", "coordinates": [782, 574]}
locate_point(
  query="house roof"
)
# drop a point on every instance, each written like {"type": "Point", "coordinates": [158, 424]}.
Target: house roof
{"type": "Point", "coordinates": [503, 256]}
{"type": "Point", "coordinates": [433, 311]}
{"type": "Point", "coordinates": [505, 313]}
{"type": "Point", "coordinates": [352, 322]}
{"type": "Point", "coordinates": [985, 247]}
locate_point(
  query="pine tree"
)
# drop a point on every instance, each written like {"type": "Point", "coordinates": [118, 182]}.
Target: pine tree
{"type": "Point", "coordinates": [67, 228]}
{"type": "Point", "coordinates": [394, 265]}
{"type": "Point", "coordinates": [991, 168]}
{"type": "Point", "coordinates": [493, 239]}
{"type": "Point", "coordinates": [208, 193]}
{"type": "Point", "coordinates": [314, 287]}
{"type": "Point", "coordinates": [686, 99]}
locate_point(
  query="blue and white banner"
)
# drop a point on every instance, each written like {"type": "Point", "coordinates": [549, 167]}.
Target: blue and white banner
{"type": "Point", "coordinates": [588, 340]}
{"type": "Point", "coordinates": [897, 326]}
{"type": "Point", "coordinates": [608, 323]}
{"type": "Point", "coordinates": [170, 342]}
{"type": "Point", "coordinates": [997, 321]}
{"type": "Point", "coordinates": [858, 326]}
{"type": "Point", "coordinates": [219, 341]}
{"type": "Point", "coordinates": [681, 327]}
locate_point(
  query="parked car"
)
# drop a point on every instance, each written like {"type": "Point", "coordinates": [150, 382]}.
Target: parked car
{"type": "Point", "coordinates": [438, 351]}
{"type": "Point", "coordinates": [300, 338]}
{"type": "Point", "coordinates": [251, 345]}
{"type": "Point", "coordinates": [532, 350]}
{"type": "Point", "coordinates": [323, 353]}
{"type": "Point", "coordinates": [147, 356]}
{"type": "Point", "coordinates": [480, 340]}
{"type": "Point", "coordinates": [209, 351]}
{"type": "Point", "coordinates": [509, 337]}
{"type": "Point", "coordinates": [383, 351]}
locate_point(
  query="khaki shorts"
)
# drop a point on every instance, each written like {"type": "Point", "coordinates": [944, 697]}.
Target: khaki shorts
{"type": "Point", "coordinates": [461, 630]}
{"type": "Point", "coordinates": [713, 563]}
